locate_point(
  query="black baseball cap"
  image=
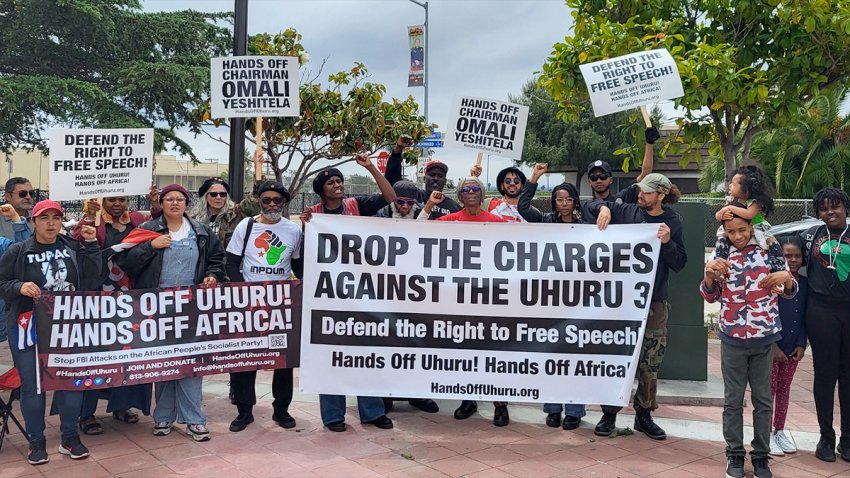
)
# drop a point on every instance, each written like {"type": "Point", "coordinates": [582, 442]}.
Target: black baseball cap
{"type": "Point", "coordinates": [599, 164]}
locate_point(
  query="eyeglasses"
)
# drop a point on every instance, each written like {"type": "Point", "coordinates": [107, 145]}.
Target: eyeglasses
{"type": "Point", "coordinates": [599, 177]}
{"type": "Point", "coordinates": [23, 194]}
{"type": "Point", "coordinates": [405, 201]}
{"type": "Point", "coordinates": [512, 181]}
{"type": "Point", "coordinates": [565, 201]}
{"type": "Point", "coordinates": [275, 200]}
{"type": "Point", "coordinates": [470, 189]}
{"type": "Point", "coordinates": [221, 194]}
{"type": "Point", "coordinates": [174, 200]}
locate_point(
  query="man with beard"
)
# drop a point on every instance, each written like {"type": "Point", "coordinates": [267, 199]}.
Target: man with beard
{"type": "Point", "coordinates": [435, 178]}
{"type": "Point", "coordinates": [20, 195]}
{"type": "Point", "coordinates": [264, 248]}
{"type": "Point", "coordinates": [655, 193]}
{"type": "Point", "coordinates": [509, 182]}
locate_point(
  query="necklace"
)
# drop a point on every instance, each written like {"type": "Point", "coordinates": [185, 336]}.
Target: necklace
{"type": "Point", "coordinates": [836, 249]}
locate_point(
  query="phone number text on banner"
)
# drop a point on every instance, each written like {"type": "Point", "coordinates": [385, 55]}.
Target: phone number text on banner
{"type": "Point", "coordinates": [90, 340]}
{"type": "Point", "coordinates": [535, 313]}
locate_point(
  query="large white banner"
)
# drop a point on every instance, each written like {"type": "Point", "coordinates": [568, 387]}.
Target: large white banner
{"type": "Point", "coordinates": [531, 313]}
{"type": "Point", "coordinates": [249, 86]}
{"type": "Point", "coordinates": [632, 80]}
{"type": "Point", "coordinates": [483, 124]}
{"type": "Point", "coordinates": [91, 163]}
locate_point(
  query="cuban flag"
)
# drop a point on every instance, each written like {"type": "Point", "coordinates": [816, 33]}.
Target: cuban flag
{"type": "Point", "coordinates": [26, 331]}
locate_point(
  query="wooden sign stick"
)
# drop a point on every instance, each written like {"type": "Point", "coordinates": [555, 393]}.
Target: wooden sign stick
{"type": "Point", "coordinates": [645, 114]}
{"type": "Point", "coordinates": [258, 153]}
{"type": "Point", "coordinates": [479, 158]}
{"type": "Point", "coordinates": [99, 211]}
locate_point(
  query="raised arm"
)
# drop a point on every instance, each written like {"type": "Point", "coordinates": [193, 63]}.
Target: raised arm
{"type": "Point", "coordinates": [651, 135]}
{"type": "Point", "coordinates": [384, 185]}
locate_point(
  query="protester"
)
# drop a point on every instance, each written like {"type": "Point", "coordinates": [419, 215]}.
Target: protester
{"type": "Point", "coordinates": [790, 349]}
{"type": "Point", "coordinates": [435, 178]}
{"type": "Point", "coordinates": [216, 209]}
{"type": "Point", "coordinates": [19, 194]}
{"type": "Point", "coordinates": [655, 193]}
{"type": "Point", "coordinates": [471, 195]}
{"type": "Point", "coordinates": [750, 188]}
{"type": "Point", "coordinates": [116, 223]}
{"type": "Point", "coordinates": [509, 182]}
{"type": "Point", "coordinates": [185, 253]}
{"type": "Point", "coordinates": [827, 253]}
{"type": "Point", "coordinates": [749, 329]}
{"type": "Point", "coordinates": [405, 205]}
{"type": "Point", "coordinates": [264, 248]}
{"type": "Point", "coordinates": [328, 184]}
{"type": "Point", "coordinates": [21, 231]}
{"type": "Point", "coordinates": [52, 262]}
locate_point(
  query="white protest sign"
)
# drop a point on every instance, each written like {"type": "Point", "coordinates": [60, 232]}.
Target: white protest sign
{"type": "Point", "coordinates": [483, 311]}
{"type": "Point", "coordinates": [250, 86]}
{"type": "Point", "coordinates": [487, 125]}
{"type": "Point", "coordinates": [631, 80]}
{"type": "Point", "coordinates": [91, 163]}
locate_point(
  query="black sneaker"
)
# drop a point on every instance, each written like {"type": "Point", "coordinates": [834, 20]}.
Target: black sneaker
{"type": "Point", "coordinates": [645, 425]}
{"type": "Point", "coordinates": [284, 419]}
{"type": "Point", "coordinates": [383, 422]}
{"type": "Point", "coordinates": [844, 448]}
{"type": "Point", "coordinates": [38, 453]}
{"type": "Point", "coordinates": [571, 422]}
{"type": "Point", "coordinates": [425, 404]}
{"type": "Point", "coordinates": [735, 467]}
{"type": "Point", "coordinates": [466, 409]}
{"type": "Point", "coordinates": [553, 420]}
{"type": "Point", "coordinates": [241, 421]}
{"type": "Point", "coordinates": [74, 448]}
{"type": "Point", "coordinates": [501, 418]}
{"type": "Point", "coordinates": [825, 450]}
{"type": "Point", "coordinates": [606, 425]}
{"type": "Point", "coordinates": [761, 468]}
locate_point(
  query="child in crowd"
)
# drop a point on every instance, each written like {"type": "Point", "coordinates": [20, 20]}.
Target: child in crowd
{"type": "Point", "coordinates": [752, 189]}
{"type": "Point", "coordinates": [790, 349]}
{"type": "Point", "coordinates": [746, 284]}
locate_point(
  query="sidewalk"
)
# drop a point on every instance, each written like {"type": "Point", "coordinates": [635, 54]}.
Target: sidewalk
{"type": "Point", "coordinates": [421, 445]}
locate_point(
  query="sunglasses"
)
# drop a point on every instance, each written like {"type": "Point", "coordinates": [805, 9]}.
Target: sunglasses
{"type": "Point", "coordinates": [221, 194]}
{"type": "Point", "coordinates": [405, 201]}
{"type": "Point", "coordinates": [512, 181]}
{"type": "Point", "coordinates": [23, 194]}
{"type": "Point", "coordinates": [470, 189]}
{"type": "Point", "coordinates": [274, 200]}
{"type": "Point", "coordinates": [598, 177]}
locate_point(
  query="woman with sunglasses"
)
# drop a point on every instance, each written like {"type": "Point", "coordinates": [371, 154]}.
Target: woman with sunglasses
{"type": "Point", "coordinates": [216, 209]}
{"type": "Point", "coordinates": [186, 253]}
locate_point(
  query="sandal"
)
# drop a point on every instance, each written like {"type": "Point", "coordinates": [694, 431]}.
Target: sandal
{"type": "Point", "coordinates": [89, 426]}
{"type": "Point", "coordinates": [125, 416]}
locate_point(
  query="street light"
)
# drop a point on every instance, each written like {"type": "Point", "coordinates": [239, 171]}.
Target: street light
{"type": "Point", "coordinates": [427, 65]}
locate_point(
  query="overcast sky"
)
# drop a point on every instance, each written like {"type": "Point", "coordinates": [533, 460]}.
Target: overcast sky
{"type": "Point", "coordinates": [477, 48]}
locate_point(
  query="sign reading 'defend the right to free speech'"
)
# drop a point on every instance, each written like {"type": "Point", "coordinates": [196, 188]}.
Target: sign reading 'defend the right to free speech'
{"type": "Point", "coordinates": [632, 80]}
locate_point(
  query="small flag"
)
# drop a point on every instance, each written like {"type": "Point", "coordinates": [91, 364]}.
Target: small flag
{"type": "Point", "coordinates": [26, 331]}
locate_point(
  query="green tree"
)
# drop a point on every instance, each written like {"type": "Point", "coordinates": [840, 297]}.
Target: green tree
{"type": "Point", "coordinates": [347, 115]}
{"type": "Point", "coordinates": [102, 64]}
{"type": "Point", "coordinates": [746, 65]}
{"type": "Point", "coordinates": [811, 152]}
{"type": "Point", "coordinates": [616, 138]}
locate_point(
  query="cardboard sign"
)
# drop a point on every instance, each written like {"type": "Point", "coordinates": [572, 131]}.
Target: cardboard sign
{"type": "Point", "coordinates": [483, 124]}
{"type": "Point", "coordinates": [250, 86]}
{"type": "Point", "coordinates": [631, 80]}
{"type": "Point", "coordinates": [91, 163]}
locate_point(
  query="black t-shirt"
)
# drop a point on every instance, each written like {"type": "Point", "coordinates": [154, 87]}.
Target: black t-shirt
{"type": "Point", "coordinates": [114, 236]}
{"type": "Point", "coordinates": [828, 264]}
{"type": "Point", "coordinates": [51, 268]}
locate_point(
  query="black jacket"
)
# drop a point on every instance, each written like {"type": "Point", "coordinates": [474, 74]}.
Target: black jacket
{"type": "Point", "coordinates": [672, 256]}
{"type": "Point", "coordinates": [532, 214]}
{"type": "Point", "coordinates": [87, 262]}
{"type": "Point", "coordinates": [393, 175]}
{"type": "Point", "coordinates": [144, 263]}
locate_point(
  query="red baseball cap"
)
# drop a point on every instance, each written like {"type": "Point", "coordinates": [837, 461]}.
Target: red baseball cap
{"type": "Point", "coordinates": [436, 163]}
{"type": "Point", "coordinates": [47, 205]}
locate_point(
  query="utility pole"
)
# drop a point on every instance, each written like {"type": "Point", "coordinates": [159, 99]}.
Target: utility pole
{"type": "Point", "coordinates": [427, 64]}
{"type": "Point", "coordinates": [236, 164]}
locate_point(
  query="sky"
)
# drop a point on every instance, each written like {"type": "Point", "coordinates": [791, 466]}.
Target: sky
{"type": "Point", "coordinates": [477, 48]}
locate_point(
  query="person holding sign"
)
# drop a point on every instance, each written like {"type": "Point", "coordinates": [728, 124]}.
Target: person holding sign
{"type": "Point", "coordinates": [19, 194]}
{"type": "Point", "coordinates": [185, 253]}
{"type": "Point", "coordinates": [655, 193]}
{"type": "Point", "coordinates": [509, 182]}
{"type": "Point", "coordinates": [435, 178]}
{"type": "Point", "coordinates": [263, 248]}
{"type": "Point", "coordinates": [47, 261]}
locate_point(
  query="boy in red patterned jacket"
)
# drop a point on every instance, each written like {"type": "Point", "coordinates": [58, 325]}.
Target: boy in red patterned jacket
{"type": "Point", "coordinates": [748, 290]}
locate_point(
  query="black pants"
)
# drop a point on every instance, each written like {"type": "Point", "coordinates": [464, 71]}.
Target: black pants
{"type": "Point", "coordinates": [244, 395]}
{"type": "Point", "coordinates": [828, 328]}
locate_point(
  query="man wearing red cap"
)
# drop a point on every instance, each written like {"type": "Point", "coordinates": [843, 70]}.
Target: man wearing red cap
{"type": "Point", "coordinates": [435, 179]}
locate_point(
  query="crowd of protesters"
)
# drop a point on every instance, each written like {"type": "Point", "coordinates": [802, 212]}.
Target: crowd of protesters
{"type": "Point", "coordinates": [775, 296]}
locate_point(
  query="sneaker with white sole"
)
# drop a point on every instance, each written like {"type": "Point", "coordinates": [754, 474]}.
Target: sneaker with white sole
{"type": "Point", "coordinates": [162, 428]}
{"type": "Point", "coordinates": [775, 449]}
{"type": "Point", "coordinates": [38, 453]}
{"type": "Point", "coordinates": [785, 442]}
{"type": "Point", "coordinates": [198, 432]}
{"type": "Point", "coordinates": [74, 448]}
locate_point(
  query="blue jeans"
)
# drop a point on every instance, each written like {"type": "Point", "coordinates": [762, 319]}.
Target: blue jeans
{"type": "Point", "coordinates": [32, 403]}
{"type": "Point", "coordinates": [333, 408]}
{"type": "Point", "coordinates": [180, 400]}
{"type": "Point", "coordinates": [570, 409]}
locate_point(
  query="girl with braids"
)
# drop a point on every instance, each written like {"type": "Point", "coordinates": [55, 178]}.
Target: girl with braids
{"type": "Point", "coordinates": [750, 187]}
{"type": "Point", "coordinates": [827, 253]}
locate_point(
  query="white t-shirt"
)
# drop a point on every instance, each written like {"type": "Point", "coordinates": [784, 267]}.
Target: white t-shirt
{"type": "Point", "coordinates": [270, 249]}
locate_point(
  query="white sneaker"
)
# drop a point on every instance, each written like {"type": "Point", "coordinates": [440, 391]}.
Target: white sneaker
{"type": "Point", "coordinates": [775, 449]}
{"type": "Point", "coordinates": [785, 442]}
